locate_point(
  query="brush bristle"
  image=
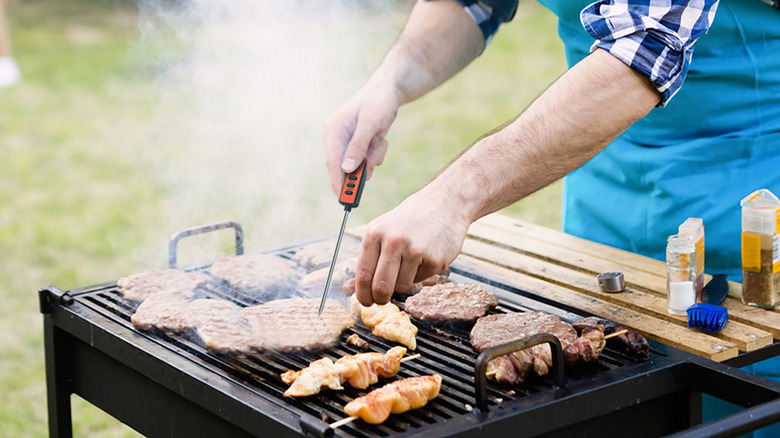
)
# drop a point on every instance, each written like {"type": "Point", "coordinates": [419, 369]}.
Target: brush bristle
{"type": "Point", "coordinates": [707, 317]}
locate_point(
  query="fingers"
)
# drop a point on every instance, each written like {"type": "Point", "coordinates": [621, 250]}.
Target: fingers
{"type": "Point", "coordinates": [337, 132]}
{"type": "Point", "coordinates": [364, 272]}
{"type": "Point", "coordinates": [357, 149]}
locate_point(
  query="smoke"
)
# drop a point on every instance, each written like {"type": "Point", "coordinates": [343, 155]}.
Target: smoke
{"type": "Point", "coordinates": [241, 92]}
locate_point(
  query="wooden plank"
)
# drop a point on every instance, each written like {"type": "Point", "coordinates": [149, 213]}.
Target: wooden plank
{"type": "Point", "coordinates": [662, 331]}
{"type": "Point", "coordinates": [590, 248]}
{"type": "Point", "coordinates": [745, 336]}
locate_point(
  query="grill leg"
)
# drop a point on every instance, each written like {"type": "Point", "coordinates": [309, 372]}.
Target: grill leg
{"type": "Point", "coordinates": [57, 380]}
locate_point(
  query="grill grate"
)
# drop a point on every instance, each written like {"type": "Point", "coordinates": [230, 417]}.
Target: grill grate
{"type": "Point", "coordinates": [445, 351]}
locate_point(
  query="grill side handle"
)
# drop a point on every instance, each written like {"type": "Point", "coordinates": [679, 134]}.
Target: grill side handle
{"type": "Point", "coordinates": [172, 246]}
{"type": "Point", "coordinates": [480, 368]}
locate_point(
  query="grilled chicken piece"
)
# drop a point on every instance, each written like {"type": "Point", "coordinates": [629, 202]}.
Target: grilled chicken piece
{"type": "Point", "coordinates": [320, 373]}
{"type": "Point", "coordinates": [389, 322]}
{"type": "Point", "coordinates": [355, 340]}
{"type": "Point", "coordinates": [395, 398]}
{"type": "Point", "coordinates": [359, 371]}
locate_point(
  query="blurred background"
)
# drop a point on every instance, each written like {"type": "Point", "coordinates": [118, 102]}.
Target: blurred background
{"type": "Point", "coordinates": [134, 120]}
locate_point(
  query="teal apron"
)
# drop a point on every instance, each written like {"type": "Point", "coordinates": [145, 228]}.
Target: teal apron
{"type": "Point", "coordinates": [715, 142]}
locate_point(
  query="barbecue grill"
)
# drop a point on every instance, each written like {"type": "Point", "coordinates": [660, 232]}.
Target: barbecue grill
{"type": "Point", "coordinates": [168, 385]}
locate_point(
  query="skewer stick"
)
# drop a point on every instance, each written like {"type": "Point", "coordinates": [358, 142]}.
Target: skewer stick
{"type": "Point", "coordinates": [617, 333]}
{"type": "Point", "coordinates": [491, 373]}
{"type": "Point", "coordinates": [412, 357]}
{"type": "Point", "coordinates": [343, 421]}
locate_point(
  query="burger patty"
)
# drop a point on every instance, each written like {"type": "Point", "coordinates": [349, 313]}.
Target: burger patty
{"type": "Point", "coordinates": [451, 302]}
{"type": "Point", "coordinates": [259, 275]}
{"type": "Point", "coordinates": [168, 282]}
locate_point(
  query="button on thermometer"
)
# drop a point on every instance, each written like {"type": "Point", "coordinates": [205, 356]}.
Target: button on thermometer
{"type": "Point", "coordinates": [351, 189]}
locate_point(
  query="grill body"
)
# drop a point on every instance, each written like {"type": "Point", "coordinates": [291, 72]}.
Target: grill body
{"type": "Point", "coordinates": [167, 386]}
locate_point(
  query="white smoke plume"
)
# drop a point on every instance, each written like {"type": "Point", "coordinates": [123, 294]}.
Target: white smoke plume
{"type": "Point", "coordinates": [242, 91]}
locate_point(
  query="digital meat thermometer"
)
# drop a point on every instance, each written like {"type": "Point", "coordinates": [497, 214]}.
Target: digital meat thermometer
{"type": "Point", "coordinates": [351, 189]}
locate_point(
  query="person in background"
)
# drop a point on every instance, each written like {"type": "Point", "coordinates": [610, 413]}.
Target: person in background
{"type": "Point", "coordinates": [645, 132]}
{"type": "Point", "coordinates": [9, 70]}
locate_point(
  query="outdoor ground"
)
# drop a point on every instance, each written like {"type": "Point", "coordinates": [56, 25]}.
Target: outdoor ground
{"type": "Point", "coordinates": [118, 136]}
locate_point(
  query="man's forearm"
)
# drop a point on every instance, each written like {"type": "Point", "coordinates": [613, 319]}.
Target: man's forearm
{"type": "Point", "coordinates": [439, 39]}
{"type": "Point", "coordinates": [579, 115]}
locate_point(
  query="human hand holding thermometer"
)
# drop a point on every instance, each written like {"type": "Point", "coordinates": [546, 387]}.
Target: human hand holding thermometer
{"type": "Point", "coordinates": [349, 197]}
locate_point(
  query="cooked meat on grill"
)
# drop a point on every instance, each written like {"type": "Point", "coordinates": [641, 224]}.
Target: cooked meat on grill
{"type": "Point", "coordinates": [631, 342]}
{"type": "Point", "coordinates": [395, 398]}
{"type": "Point", "coordinates": [359, 371]}
{"type": "Point", "coordinates": [220, 326]}
{"type": "Point", "coordinates": [164, 313]}
{"type": "Point", "coordinates": [293, 323]}
{"type": "Point", "coordinates": [355, 340]}
{"type": "Point", "coordinates": [260, 275]}
{"type": "Point", "coordinates": [342, 271]}
{"type": "Point", "coordinates": [319, 254]}
{"type": "Point", "coordinates": [169, 282]}
{"type": "Point", "coordinates": [389, 322]}
{"type": "Point", "coordinates": [451, 302]}
{"type": "Point", "coordinates": [494, 330]}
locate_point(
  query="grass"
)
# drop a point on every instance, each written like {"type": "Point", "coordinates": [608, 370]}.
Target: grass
{"type": "Point", "coordinates": [111, 143]}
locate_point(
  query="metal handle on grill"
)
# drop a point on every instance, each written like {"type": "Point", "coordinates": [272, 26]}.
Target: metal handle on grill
{"type": "Point", "coordinates": [202, 230]}
{"type": "Point", "coordinates": [480, 368]}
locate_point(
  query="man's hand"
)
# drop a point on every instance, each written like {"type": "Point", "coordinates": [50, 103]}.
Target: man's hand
{"type": "Point", "coordinates": [398, 251]}
{"type": "Point", "coordinates": [439, 39]}
{"type": "Point", "coordinates": [357, 130]}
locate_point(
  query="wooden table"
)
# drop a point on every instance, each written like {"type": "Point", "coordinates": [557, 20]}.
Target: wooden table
{"type": "Point", "coordinates": [563, 268]}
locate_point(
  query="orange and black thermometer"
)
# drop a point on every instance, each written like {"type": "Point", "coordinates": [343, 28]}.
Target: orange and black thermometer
{"type": "Point", "coordinates": [351, 189]}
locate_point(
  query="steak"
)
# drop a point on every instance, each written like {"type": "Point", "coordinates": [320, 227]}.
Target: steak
{"type": "Point", "coordinates": [259, 275]}
{"type": "Point", "coordinates": [451, 302]}
{"type": "Point", "coordinates": [169, 282]}
{"type": "Point", "coordinates": [164, 313]}
{"type": "Point", "coordinates": [494, 330]}
{"type": "Point", "coordinates": [219, 326]}
{"type": "Point", "coordinates": [292, 324]}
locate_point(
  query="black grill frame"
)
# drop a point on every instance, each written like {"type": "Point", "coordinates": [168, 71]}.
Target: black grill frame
{"type": "Point", "coordinates": [169, 385]}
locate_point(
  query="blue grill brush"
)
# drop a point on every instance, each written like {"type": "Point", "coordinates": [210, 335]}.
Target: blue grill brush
{"type": "Point", "coordinates": [708, 315]}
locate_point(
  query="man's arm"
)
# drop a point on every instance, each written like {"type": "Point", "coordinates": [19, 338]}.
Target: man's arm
{"type": "Point", "coordinates": [579, 115]}
{"type": "Point", "coordinates": [439, 39]}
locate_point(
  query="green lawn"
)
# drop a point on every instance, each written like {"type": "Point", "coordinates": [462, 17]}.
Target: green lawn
{"type": "Point", "coordinates": [128, 127]}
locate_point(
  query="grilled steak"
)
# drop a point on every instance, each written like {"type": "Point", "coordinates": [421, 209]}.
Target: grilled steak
{"type": "Point", "coordinates": [319, 254]}
{"type": "Point", "coordinates": [220, 326]}
{"type": "Point", "coordinates": [164, 313]}
{"type": "Point", "coordinates": [169, 282]}
{"type": "Point", "coordinates": [494, 330]}
{"type": "Point", "coordinates": [451, 302]}
{"type": "Point", "coordinates": [259, 275]}
{"type": "Point", "coordinates": [292, 324]}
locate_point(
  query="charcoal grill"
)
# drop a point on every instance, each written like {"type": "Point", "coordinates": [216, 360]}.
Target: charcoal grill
{"type": "Point", "coordinates": [169, 385]}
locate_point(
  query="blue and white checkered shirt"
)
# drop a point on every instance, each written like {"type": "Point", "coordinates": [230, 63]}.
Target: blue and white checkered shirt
{"type": "Point", "coordinates": [654, 37]}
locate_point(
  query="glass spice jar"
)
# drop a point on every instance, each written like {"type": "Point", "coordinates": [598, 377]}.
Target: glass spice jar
{"type": "Point", "coordinates": [761, 249]}
{"type": "Point", "coordinates": [680, 273]}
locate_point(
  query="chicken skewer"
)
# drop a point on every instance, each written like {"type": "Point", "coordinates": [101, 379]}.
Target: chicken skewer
{"type": "Point", "coordinates": [393, 398]}
{"type": "Point", "coordinates": [359, 370]}
{"type": "Point", "coordinates": [387, 321]}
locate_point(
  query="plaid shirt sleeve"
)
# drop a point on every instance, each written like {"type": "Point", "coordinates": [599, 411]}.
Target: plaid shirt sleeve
{"type": "Point", "coordinates": [489, 14]}
{"type": "Point", "coordinates": [653, 37]}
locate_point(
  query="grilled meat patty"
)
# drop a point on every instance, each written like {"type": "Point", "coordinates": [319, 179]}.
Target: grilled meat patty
{"type": "Point", "coordinates": [292, 324]}
{"type": "Point", "coordinates": [451, 302]}
{"type": "Point", "coordinates": [168, 282]}
{"type": "Point", "coordinates": [259, 275]}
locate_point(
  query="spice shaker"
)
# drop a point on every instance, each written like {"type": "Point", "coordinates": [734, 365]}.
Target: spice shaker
{"type": "Point", "coordinates": [680, 274]}
{"type": "Point", "coordinates": [694, 227]}
{"type": "Point", "coordinates": [761, 249]}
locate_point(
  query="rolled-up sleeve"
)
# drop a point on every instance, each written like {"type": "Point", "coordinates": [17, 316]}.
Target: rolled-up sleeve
{"type": "Point", "coordinates": [653, 37]}
{"type": "Point", "coordinates": [490, 14]}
